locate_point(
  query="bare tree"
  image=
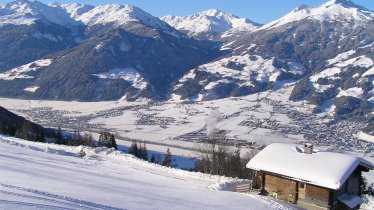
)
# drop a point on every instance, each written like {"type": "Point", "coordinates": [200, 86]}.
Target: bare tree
{"type": "Point", "coordinates": [216, 157]}
{"type": "Point", "coordinates": [213, 155]}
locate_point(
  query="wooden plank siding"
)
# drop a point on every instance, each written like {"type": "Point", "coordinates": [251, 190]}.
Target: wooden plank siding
{"type": "Point", "coordinates": [316, 196]}
{"type": "Point", "coordinates": [282, 188]}
{"type": "Point", "coordinates": [306, 195]}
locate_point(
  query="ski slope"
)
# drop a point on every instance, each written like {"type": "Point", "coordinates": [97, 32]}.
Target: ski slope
{"type": "Point", "coordinates": [48, 176]}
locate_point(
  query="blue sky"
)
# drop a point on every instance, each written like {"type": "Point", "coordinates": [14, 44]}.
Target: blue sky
{"type": "Point", "coordinates": [261, 11]}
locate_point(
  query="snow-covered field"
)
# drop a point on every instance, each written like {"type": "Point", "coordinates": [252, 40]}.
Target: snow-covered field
{"type": "Point", "coordinates": [258, 118]}
{"type": "Point", "coordinates": [253, 120]}
{"type": "Point", "coordinates": [48, 176]}
{"type": "Point", "coordinates": [167, 121]}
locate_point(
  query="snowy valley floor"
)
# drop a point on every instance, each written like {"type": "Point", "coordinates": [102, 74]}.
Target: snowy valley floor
{"type": "Point", "coordinates": [47, 176]}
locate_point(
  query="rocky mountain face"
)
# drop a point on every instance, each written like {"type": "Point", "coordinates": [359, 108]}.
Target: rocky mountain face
{"type": "Point", "coordinates": [87, 53]}
{"type": "Point", "coordinates": [327, 51]}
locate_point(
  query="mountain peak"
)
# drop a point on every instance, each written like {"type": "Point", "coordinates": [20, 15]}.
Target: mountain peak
{"type": "Point", "coordinates": [117, 14]}
{"type": "Point", "coordinates": [25, 12]}
{"type": "Point", "coordinates": [212, 21]}
{"type": "Point", "coordinates": [74, 9]}
{"type": "Point", "coordinates": [331, 11]}
{"type": "Point", "coordinates": [212, 12]}
{"type": "Point", "coordinates": [344, 3]}
{"type": "Point", "coordinates": [301, 7]}
{"type": "Point", "coordinates": [21, 1]}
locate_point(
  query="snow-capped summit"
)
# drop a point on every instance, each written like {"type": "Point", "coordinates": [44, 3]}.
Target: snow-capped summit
{"type": "Point", "coordinates": [116, 15]}
{"type": "Point", "coordinates": [119, 15]}
{"type": "Point", "coordinates": [301, 7]}
{"type": "Point", "coordinates": [345, 3]}
{"type": "Point", "coordinates": [24, 12]}
{"type": "Point", "coordinates": [211, 22]}
{"type": "Point", "coordinates": [331, 11]}
{"type": "Point", "coordinates": [74, 9]}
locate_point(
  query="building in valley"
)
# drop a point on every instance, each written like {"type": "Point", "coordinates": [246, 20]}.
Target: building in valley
{"type": "Point", "coordinates": [308, 178]}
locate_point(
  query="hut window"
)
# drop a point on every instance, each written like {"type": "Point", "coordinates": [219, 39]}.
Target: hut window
{"type": "Point", "coordinates": [302, 185]}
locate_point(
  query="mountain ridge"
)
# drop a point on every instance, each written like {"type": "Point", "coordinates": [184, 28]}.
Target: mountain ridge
{"type": "Point", "coordinates": [210, 23]}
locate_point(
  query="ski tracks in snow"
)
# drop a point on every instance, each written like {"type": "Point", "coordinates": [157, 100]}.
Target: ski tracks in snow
{"type": "Point", "coordinates": [37, 199]}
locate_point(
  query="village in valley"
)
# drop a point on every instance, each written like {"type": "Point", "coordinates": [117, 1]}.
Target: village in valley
{"type": "Point", "coordinates": [257, 114]}
{"type": "Point", "coordinates": [109, 106]}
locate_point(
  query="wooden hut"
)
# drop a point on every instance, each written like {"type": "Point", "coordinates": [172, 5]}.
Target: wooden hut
{"type": "Point", "coordinates": [308, 178]}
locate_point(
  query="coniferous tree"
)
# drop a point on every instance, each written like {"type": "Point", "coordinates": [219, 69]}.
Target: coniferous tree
{"type": "Point", "coordinates": [58, 136]}
{"type": "Point", "coordinates": [101, 139]}
{"type": "Point", "coordinates": [113, 141]}
{"type": "Point", "coordinates": [79, 139]}
{"type": "Point", "coordinates": [153, 159]}
{"type": "Point", "coordinates": [167, 160]}
{"type": "Point", "coordinates": [134, 149]}
{"type": "Point", "coordinates": [143, 152]}
{"type": "Point", "coordinates": [91, 140]}
{"type": "Point", "coordinates": [140, 151]}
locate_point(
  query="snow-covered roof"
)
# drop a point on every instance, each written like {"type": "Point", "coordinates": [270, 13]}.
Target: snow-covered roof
{"type": "Point", "coordinates": [325, 169]}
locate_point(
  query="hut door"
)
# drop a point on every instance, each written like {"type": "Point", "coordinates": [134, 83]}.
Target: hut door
{"type": "Point", "coordinates": [301, 190]}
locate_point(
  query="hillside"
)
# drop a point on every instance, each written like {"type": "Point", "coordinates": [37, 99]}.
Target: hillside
{"type": "Point", "coordinates": [332, 66]}
{"type": "Point", "coordinates": [143, 53]}
{"type": "Point", "coordinates": [55, 178]}
{"type": "Point", "coordinates": [13, 124]}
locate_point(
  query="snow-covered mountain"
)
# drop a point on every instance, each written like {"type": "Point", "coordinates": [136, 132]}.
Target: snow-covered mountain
{"type": "Point", "coordinates": [333, 10]}
{"type": "Point", "coordinates": [24, 12]}
{"type": "Point", "coordinates": [114, 14]}
{"type": "Point", "coordinates": [210, 23]}
{"type": "Point", "coordinates": [75, 10]}
{"type": "Point", "coordinates": [327, 50]}
{"type": "Point", "coordinates": [105, 38]}
{"type": "Point", "coordinates": [124, 52]}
